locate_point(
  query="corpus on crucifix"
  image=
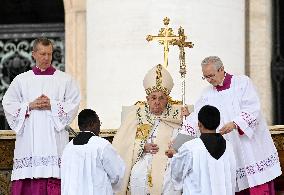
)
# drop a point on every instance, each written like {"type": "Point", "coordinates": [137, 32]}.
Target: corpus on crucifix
{"type": "Point", "coordinates": [181, 43]}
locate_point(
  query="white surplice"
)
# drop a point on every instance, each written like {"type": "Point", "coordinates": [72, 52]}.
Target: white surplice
{"type": "Point", "coordinates": [40, 134]}
{"type": "Point", "coordinates": [256, 156]}
{"type": "Point", "coordinates": [91, 169]}
{"type": "Point", "coordinates": [195, 171]}
{"type": "Point", "coordinates": [139, 172]}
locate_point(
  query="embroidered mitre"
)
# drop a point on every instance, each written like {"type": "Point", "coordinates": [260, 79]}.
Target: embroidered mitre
{"type": "Point", "coordinates": [158, 79]}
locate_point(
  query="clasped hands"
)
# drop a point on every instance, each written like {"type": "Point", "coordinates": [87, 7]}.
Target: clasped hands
{"type": "Point", "coordinates": [40, 103]}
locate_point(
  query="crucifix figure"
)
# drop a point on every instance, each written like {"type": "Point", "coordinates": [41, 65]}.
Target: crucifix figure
{"type": "Point", "coordinates": [181, 43]}
{"type": "Point", "coordinates": [165, 37]}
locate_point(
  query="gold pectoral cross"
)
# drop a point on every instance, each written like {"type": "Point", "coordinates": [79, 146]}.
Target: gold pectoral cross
{"type": "Point", "coordinates": [165, 37]}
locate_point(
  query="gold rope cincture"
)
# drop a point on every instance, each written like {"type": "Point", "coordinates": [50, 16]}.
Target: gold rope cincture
{"type": "Point", "coordinates": [149, 173]}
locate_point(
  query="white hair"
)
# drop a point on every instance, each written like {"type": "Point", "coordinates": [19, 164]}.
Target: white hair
{"type": "Point", "coordinates": [215, 60]}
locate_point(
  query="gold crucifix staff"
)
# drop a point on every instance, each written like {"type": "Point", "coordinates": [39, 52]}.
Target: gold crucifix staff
{"type": "Point", "coordinates": [181, 43]}
{"type": "Point", "coordinates": [165, 37]}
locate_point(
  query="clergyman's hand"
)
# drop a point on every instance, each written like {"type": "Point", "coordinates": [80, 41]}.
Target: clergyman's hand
{"type": "Point", "coordinates": [36, 104]}
{"type": "Point", "coordinates": [227, 128]}
{"type": "Point", "coordinates": [45, 102]}
{"type": "Point", "coordinates": [184, 112]}
{"type": "Point", "coordinates": [151, 148]}
{"type": "Point", "coordinates": [40, 103]}
{"type": "Point", "coordinates": [170, 144]}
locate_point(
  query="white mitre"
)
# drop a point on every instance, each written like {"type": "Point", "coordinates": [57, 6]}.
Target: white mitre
{"type": "Point", "coordinates": [158, 79]}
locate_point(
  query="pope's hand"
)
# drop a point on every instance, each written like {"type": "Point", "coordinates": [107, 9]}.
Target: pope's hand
{"type": "Point", "coordinates": [151, 148]}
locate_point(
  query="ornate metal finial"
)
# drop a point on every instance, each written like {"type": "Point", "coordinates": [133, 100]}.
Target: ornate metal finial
{"type": "Point", "coordinates": [166, 21]}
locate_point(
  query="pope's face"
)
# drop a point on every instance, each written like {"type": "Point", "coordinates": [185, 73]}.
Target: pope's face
{"type": "Point", "coordinates": [157, 102]}
{"type": "Point", "coordinates": [43, 56]}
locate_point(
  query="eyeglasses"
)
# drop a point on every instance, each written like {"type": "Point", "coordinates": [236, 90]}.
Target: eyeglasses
{"type": "Point", "coordinates": [208, 77]}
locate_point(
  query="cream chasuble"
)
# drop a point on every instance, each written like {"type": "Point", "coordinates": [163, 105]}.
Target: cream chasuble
{"type": "Point", "coordinates": [134, 133]}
